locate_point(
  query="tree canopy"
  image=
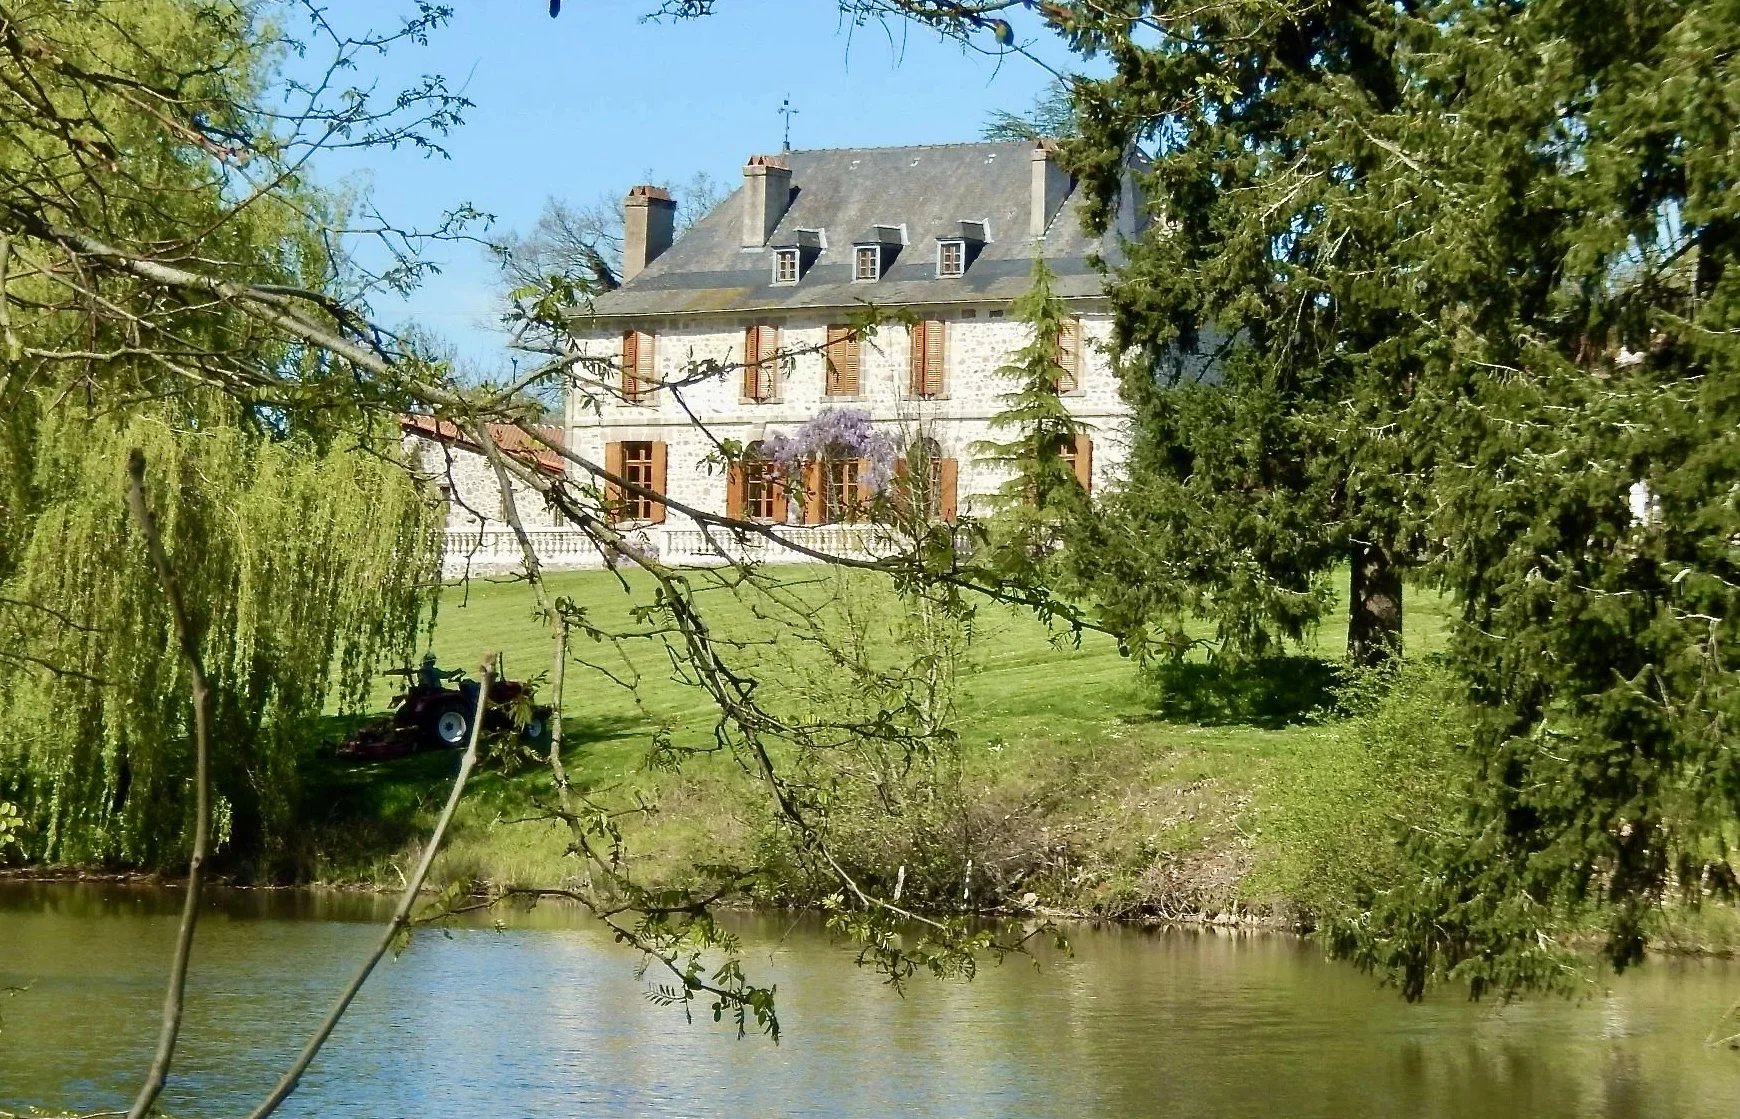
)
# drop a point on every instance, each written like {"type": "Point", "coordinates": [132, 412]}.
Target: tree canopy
{"type": "Point", "coordinates": [94, 713]}
{"type": "Point", "coordinates": [1438, 286]}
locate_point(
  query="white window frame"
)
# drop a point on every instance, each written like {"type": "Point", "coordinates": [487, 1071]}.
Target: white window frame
{"type": "Point", "coordinates": [858, 252]}
{"type": "Point", "coordinates": [941, 246]}
{"type": "Point", "coordinates": [781, 257]}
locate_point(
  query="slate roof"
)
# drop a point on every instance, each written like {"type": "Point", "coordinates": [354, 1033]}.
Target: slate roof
{"type": "Point", "coordinates": [846, 191]}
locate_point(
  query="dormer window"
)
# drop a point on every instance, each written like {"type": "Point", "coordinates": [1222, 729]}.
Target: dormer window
{"type": "Point", "coordinates": [958, 246]}
{"type": "Point", "coordinates": [874, 252]}
{"type": "Point", "coordinates": [951, 258]}
{"type": "Point", "coordinates": [793, 258]}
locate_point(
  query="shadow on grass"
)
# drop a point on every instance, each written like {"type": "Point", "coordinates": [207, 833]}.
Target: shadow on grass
{"type": "Point", "coordinates": [357, 814]}
{"type": "Point", "coordinates": [1271, 693]}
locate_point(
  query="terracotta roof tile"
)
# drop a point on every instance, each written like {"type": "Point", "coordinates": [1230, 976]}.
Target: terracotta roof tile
{"type": "Point", "coordinates": [506, 436]}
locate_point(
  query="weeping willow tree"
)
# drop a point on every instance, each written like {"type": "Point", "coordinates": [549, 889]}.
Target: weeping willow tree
{"type": "Point", "coordinates": [302, 568]}
{"type": "Point", "coordinates": [304, 549]}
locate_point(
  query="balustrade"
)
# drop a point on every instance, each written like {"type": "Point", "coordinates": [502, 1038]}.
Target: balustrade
{"type": "Point", "coordinates": [494, 549]}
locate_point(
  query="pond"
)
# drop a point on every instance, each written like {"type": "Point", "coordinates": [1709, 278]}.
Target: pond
{"type": "Point", "coordinates": [545, 1018]}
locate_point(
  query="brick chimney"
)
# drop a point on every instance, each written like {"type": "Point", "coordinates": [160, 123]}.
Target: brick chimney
{"type": "Point", "coordinates": [766, 194]}
{"type": "Point", "coordinates": [1050, 185]}
{"type": "Point", "coordinates": [649, 223]}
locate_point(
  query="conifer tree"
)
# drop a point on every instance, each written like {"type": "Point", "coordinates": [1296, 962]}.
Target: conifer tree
{"type": "Point", "coordinates": [1462, 277]}
{"type": "Point", "coordinates": [1042, 499]}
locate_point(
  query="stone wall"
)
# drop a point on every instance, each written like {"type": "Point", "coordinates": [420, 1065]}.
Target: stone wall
{"type": "Point", "coordinates": [467, 482]}
{"type": "Point", "coordinates": [477, 539]}
{"type": "Point", "coordinates": [979, 340]}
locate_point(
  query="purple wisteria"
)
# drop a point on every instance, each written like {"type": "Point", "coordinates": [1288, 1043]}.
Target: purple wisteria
{"type": "Point", "coordinates": [836, 433]}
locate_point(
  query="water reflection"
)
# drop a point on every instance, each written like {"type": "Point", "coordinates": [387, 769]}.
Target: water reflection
{"type": "Point", "coordinates": [546, 1019]}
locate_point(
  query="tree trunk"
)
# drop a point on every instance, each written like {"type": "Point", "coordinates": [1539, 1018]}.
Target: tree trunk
{"type": "Point", "coordinates": [1374, 622]}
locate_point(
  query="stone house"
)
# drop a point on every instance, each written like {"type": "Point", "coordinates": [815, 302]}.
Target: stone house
{"type": "Point", "coordinates": [477, 537]}
{"type": "Point", "coordinates": [764, 288]}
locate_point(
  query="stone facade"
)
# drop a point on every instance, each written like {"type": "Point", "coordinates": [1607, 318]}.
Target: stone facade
{"type": "Point", "coordinates": [978, 344]}
{"type": "Point", "coordinates": [944, 234]}
{"type": "Point", "coordinates": [477, 537]}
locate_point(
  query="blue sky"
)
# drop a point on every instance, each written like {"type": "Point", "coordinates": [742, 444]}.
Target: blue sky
{"type": "Point", "coordinates": [597, 100]}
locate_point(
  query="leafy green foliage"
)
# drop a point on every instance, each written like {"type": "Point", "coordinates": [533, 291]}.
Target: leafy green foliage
{"type": "Point", "coordinates": [1343, 804]}
{"type": "Point", "coordinates": [1034, 510]}
{"type": "Point", "coordinates": [11, 827]}
{"type": "Point", "coordinates": [302, 571]}
{"type": "Point", "coordinates": [1270, 372]}
{"type": "Point", "coordinates": [1467, 276]}
{"type": "Point", "coordinates": [1051, 116]}
{"type": "Point", "coordinates": [302, 546]}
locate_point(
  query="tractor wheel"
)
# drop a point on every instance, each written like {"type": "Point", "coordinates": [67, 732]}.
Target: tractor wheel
{"type": "Point", "coordinates": [450, 723]}
{"type": "Point", "coordinates": [537, 728]}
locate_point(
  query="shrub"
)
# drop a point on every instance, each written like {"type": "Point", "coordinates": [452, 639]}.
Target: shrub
{"type": "Point", "coordinates": [1343, 804]}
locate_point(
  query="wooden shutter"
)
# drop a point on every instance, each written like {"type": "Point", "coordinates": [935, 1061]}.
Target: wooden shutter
{"type": "Point", "coordinates": [927, 358]}
{"type": "Point", "coordinates": [656, 512]}
{"type": "Point", "coordinates": [815, 494]}
{"type": "Point", "coordinates": [760, 364]}
{"type": "Point", "coordinates": [915, 382]}
{"type": "Point", "coordinates": [630, 365]}
{"type": "Point", "coordinates": [736, 487]}
{"type": "Point", "coordinates": [781, 499]}
{"type": "Point", "coordinates": [644, 376]}
{"type": "Point", "coordinates": [613, 462]}
{"type": "Point", "coordinates": [751, 362]}
{"type": "Point", "coordinates": [934, 337]}
{"type": "Point", "coordinates": [1069, 356]}
{"type": "Point", "coordinates": [770, 370]}
{"type": "Point", "coordinates": [864, 494]}
{"type": "Point", "coordinates": [1084, 462]}
{"type": "Point", "coordinates": [842, 357]}
{"type": "Point", "coordinates": [949, 482]}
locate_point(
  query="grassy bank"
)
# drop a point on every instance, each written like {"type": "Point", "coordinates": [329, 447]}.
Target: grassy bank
{"type": "Point", "coordinates": [1112, 794]}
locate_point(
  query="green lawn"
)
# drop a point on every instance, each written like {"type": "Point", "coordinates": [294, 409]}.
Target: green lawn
{"type": "Point", "coordinates": [1141, 776]}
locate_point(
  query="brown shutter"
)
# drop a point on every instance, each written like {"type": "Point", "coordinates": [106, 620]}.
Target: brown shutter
{"type": "Point", "coordinates": [760, 364]}
{"type": "Point", "coordinates": [630, 364]}
{"type": "Point", "coordinates": [934, 335]}
{"type": "Point", "coordinates": [836, 360]}
{"type": "Point", "coordinates": [915, 383]}
{"type": "Point", "coordinates": [1084, 462]}
{"type": "Point", "coordinates": [948, 483]}
{"type": "Point", "coordinates": [1069, 356]}
{"type": "Point", "coordinates": [735, 490]}
{"type": "Point", "coordinates": [613, 491]}
{"type": "Point", "coordinates": [781, 499]}
{"type": "Point", "coordinates": [842, 353]}
{"type": "Point", "coordinates": [644, 376]}
{"type": "Point", "coordinates": [751, 361]}
{"type": "Point", "coordinates": [770, 370]}
{"type": "Point", "coordinates": [816, 504]}
{"type": "Point", "coordinates": [656, 514]}
{"type": "Point", "coordinates": [901, 494]}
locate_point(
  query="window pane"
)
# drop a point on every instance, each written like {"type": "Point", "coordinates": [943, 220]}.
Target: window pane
{"type": "Point", "coordinates": [758, 489]}
{"type": "Point", "coordinates": [841, 499]}
{"type": "Point", "coordinates": [867, 263]}
{"type": "Point", "coordinates": [637, 467]}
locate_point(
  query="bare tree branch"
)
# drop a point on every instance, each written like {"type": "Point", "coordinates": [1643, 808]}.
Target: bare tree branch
{"type": "Point", "coordinates": [189, 642]}
{"type": "Point", "coordinates": [401, 918]}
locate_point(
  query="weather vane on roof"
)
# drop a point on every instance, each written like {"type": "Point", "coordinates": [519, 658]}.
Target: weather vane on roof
{"type": "Point", "coordinates": [786, 111]}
